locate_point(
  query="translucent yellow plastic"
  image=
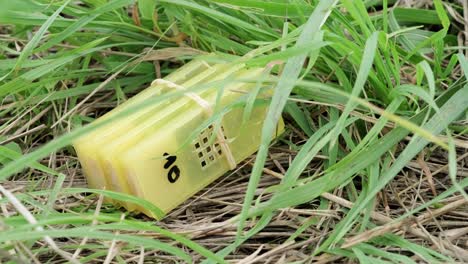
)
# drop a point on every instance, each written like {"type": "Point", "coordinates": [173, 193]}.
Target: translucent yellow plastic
{"type": "Point", "coordinates": [163, 153]}
{"type": "Point", "coordinates": [86, 146]}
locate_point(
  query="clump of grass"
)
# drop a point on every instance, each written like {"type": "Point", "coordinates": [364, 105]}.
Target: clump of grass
{"type": "Point", "coordinates": [372, 167]}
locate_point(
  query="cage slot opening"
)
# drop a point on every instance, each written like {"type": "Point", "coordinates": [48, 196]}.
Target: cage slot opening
{"type": "Point", "coordinates": [208, 153]}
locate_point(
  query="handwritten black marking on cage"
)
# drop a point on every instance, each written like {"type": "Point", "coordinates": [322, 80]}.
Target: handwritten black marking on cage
{"type": "Point", "coordinates": [174, 172]}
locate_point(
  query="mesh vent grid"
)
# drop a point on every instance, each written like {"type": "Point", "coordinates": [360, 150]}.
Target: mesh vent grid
{"type": "Point", "coordinates": [207, 153]}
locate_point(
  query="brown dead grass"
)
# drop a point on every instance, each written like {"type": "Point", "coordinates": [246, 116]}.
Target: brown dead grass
{"type": "Point", "coordinates": [206, 217]}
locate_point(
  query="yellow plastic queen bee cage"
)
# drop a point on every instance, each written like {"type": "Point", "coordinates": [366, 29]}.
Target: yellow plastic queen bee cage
{"type": "Point", "coordinates": [154, 154]}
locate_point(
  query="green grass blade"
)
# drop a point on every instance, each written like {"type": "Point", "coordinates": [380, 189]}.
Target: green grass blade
{"type": "Point", "coordinates": [456, 105]}
{"type": "Point", "coordinates": [283, 88]}
{"type": "Point", "coordinates": [366, 64]}
{"type": "Point", "coordinates": [80, 23]}
{"type": "Point", "coordinates": [27, 51]}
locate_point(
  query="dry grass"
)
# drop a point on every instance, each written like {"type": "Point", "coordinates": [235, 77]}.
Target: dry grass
{"type": "Point", "coordinates": [207, 217]}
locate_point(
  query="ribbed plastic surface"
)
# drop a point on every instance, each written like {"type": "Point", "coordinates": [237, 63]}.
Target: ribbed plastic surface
{"type": "Point", "coordinates": [167, 152]}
